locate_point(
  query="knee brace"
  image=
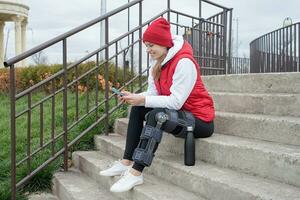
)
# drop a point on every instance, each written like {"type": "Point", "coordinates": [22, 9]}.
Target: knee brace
{"type": "Point", "coordinates": [151, 136]}
{"type": "Point", "coordinates": [182, 124]}
{"type": "Point", "coordinates": [181, 121]}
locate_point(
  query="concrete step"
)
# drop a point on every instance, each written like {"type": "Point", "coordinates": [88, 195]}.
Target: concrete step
{"type": "Point", "coordinates": [265, 159]}
{"type": "Point", "coordinates": [153, 188]}
{"type": "Point", "coordinates": [74, 185]}
{"type": "Point", "coordinates": [268, 104]}
{"type": "Point", "coordinates": [210, 181]}
{"type": "Point", "coordinates": [42, 196]}
{"type": "Point", "coordinates": [121, 126]}
{"type": "Point", "coordinates": [254, 83]}
{"type": "Point", "coordinates": [262, 127]}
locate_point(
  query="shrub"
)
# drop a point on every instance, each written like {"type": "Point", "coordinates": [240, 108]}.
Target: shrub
{"type": "Point", "coordinates": [29, 76]}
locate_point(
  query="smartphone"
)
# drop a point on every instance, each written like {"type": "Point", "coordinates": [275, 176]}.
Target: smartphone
{"type": "Point", "coordinates": [116, 91]}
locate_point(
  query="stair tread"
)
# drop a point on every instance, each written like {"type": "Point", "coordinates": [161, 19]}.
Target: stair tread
{"type": "Point", "coordinates": [254, 82]}
{"type": "Point", "coordinates": [42, 196]}
{"type": "Point", "coordinates": [248, 183]}
{"type": "Point", "coordinates": [152, 187]}
{"type": "Point", "coordinates": [249, 115]}
{"type": "Point", "coordinates": [293, 147]}
{"type": "Point", "coordinates": [255, 94]}
{"type": "Point", "coordinates": [260, 116]}
{"type": "Point", "coordinates": [81, 187]}
{"type": "Point", "coordinates": [293, 150]}
{"type": "Point", "coordinates": [249, 143]}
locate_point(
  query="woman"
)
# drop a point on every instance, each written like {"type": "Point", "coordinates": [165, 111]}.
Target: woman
{"type": "Point", "coordinates": [174, 83]}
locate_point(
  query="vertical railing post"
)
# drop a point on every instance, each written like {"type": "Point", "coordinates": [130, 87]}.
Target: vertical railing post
{"type": "Point", "coordinates": [106, 77]}
{"type": "Point", "coordinates": [177, 23]}
{"type": "Point", "coordinates": [294, 64]}
{"type": "Point", "coordinates": [169, 8]}
{"type": "Point", "coordinates": [199, 54]}
{"type": "Point", "coordinates": [128, 24]}
{"type": "Point", "coordinates": [124, 66]}
{"type": "Point", "coordinates": [298, 70]}
{"type": "Point", "coordinates": [53, 118]}
{"type": "Point", "coordinates": [131, 59]}
{"type": "Point", "coordinates": [13, 131]}
{"type": "Point", "coordinates": [200, 8]}
{"type": "Point", "coordinates": [97, 85]}
{"type": "Point", "coordinates": [65, 114]}
{"type": "Point", "coordinates": [290, 63]}
{"type": "Point", "coordinates": [229, 38]}
{"type": "Point", "coordinates": [224, 22]}
{"type": "Point", "coordinates": [29, 133]}
{"type": "Point", "coordinates": [140, 45]}
{"type": "Point", "coordinates": [200, 43]}
{"type": "Point", "coordinates": [116, 82]}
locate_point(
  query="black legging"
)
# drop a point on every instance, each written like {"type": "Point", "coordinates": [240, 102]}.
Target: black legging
{"type": "Point", "coordinates": [135, 126]}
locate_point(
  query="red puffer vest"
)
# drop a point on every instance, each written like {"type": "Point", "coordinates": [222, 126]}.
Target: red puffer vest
{"type": "Point", "coordinates": [199, 103]}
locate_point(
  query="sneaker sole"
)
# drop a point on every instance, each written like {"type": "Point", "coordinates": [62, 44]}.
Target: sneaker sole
{"type": "Point", "coordinates": [136, 184]}
{"type": "Point", "coordinates": [112, 174]}
{"type": "Point", "coordinates": [116, 173]}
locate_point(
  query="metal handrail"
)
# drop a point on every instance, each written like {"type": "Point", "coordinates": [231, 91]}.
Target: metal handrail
{"type": "Point", "coordinates": [274, 31]}
{"type": "Point", "coordinates": [276, 51]}
{"type": "Point", "coordinates": [215, 4]}
{"type": "Point", "coordinates": [61, 37]}
{"type": "Point", "coordinates": [71, 66]}
{"type": "Point", "coordinates": [197, 18]}
{"type": "Point", "coordinates": [211, 55]}
{"type": "Point", "coordinates": [62, 73]}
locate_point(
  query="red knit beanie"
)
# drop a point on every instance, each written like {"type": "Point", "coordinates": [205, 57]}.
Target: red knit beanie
{"type": "Point", "coordinates": [158, 32]}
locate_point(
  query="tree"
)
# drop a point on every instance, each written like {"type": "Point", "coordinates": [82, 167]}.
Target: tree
{"type": "Point", "coordinates": [39, 58]}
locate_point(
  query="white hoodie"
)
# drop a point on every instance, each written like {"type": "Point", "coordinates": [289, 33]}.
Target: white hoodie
{"type": "Point", "coordinates": [184, 79]}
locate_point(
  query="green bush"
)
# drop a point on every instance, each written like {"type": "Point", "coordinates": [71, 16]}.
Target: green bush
{"type": "Point", "coordinates": [29, 76]}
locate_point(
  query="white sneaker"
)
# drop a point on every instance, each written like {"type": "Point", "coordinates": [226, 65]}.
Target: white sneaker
{"type": "Point", "coordinates": [117, 169]}
{"type": "Point", "coordinates": [127, 182]}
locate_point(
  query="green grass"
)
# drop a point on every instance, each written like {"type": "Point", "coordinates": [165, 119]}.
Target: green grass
{"type": "Point", "coordinates": [42, 181]}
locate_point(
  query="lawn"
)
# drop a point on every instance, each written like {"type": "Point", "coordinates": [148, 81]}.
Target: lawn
{"type": "Point", "coordinates": [42, 181]}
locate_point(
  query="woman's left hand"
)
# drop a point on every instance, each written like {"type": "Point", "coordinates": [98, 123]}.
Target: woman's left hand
{"type": "Point", "coordinates": [133, 99]}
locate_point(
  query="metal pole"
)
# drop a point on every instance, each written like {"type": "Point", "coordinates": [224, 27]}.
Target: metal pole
{"type": "Point", "coordinates": [128, 22]}
{"type": "Point", "coordinates": [229, 45]}
{"type": "Point", "coordinates": [169, 7]}
{"type": "Point", "coordinates": [102, 27]}
{"type": "Point", "coordinates": [200, 8]}
{"type": "Point", "coordinates": [140, 45]}
{"type": "Point", "coordinates": [106, 78]}
{"type": "Point", "coordinates": [128, 29]}
{"type": "Point", "coordinates": [298, 70]}
{"type": "Point", "coordinates": [13, 132]}
{"type": "Point", "coordinates": [65, 114]}
{"type": "Point", "coordinates": [225, 41]}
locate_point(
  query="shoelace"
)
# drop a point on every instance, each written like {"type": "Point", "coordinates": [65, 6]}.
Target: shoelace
{"type": "Point", "coordinates": [124, 173]}
{"type": "Point", "coordinates": [116, 162]}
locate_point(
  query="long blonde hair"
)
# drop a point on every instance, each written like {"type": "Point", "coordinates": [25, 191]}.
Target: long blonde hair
{"type": "Point", "coordinates": [156, 70]}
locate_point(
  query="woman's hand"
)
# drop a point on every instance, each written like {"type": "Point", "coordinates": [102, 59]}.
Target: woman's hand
{"type": "Point", "coordinates": [133, 99]}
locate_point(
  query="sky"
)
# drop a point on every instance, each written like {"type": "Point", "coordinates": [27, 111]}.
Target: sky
{"type": "Point", "coordinates": [50, 18]}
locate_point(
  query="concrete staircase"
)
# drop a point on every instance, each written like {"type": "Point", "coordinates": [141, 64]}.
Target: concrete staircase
{"type": "Point", "coordinates": [253, 154]}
